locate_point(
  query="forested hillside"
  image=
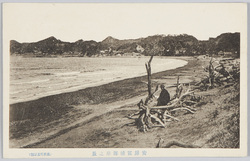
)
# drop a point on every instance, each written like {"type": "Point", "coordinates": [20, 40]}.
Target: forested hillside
{"type": "Point", "coordinates": [162, 45]}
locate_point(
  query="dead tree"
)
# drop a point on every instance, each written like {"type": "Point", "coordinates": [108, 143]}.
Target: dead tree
{"type": "Point", "coordinates": [151, 115]}
{"type": "Point", "coordinates": [148, 68]}
{"type": "Point", "coordinates": [211, 73]}
{"type": "Point", "coordinates": [179, 88]}
{"type": "Point", "coordinates": [219, 75]}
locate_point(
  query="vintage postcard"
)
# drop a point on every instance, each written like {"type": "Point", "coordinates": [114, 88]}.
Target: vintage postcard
{"type": "Point", "coordinates": [124, 80]}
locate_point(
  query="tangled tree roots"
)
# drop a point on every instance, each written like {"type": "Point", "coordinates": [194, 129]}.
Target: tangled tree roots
{"type": "Point", "coordinates": [150, 115]}
{"type": "Point", "coordinates": [224, 74]}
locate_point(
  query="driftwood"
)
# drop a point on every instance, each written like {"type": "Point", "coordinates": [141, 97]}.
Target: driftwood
{"type": "Point", "coordinates": [174, 102]}
{"type": "Point", "coordinates": [150, 115]}
{"type": "Point", "coordinates": [179, 88]}
{"type": "Point", "coordinates": [148, 68]}
{"type": "Point", "coordinates": [159, 144]}
{"type": "Point", "coordinates": [172, 117]}
{"type": "Point", "coordinates": [174, 143]}
{"type": "Point", "coordinates": [220, 75]}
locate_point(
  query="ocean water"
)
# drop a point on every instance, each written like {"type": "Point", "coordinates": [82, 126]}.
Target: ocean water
{"type": "Point", "coordinates": [33, 78]}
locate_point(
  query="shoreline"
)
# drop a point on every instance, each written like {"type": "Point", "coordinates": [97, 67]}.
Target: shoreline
{"type": "Point", "coordinates": [94, 88]}
{"type": "Point", "coordinates": [56, 83]}
{"type": "Point", "coordinates": [48, 109]}
{"type": "Point", "coordinates": [215, 124]}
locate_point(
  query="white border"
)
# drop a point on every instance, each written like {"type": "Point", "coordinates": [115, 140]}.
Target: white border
{"type": "Point", "coordinates": [66, 153]}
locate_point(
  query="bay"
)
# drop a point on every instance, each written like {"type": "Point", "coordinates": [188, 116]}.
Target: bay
{"type": "Point", "coordinates": [33, 78]}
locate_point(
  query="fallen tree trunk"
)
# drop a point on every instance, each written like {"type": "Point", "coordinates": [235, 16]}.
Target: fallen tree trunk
{"type": "Point", "coordinates": [175, 143]}
{"type": "Point", "coordinates": [183, 145]}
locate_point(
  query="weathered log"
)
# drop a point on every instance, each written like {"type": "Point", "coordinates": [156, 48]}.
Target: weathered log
{"type": "Point", "coordinates": [182, 108]}
{"type": "Point", "coordinates": [175, 143]}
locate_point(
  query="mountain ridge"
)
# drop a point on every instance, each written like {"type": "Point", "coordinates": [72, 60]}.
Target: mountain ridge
{"type": "Point", "coordinates": [162, 45]}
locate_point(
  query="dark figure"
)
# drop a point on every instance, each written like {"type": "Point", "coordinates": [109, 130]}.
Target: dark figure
{"type": "Point", "coordinates": [164, 97]}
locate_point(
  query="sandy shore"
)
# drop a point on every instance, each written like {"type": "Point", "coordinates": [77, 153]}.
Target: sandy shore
{"type": "Point", "coordinates": [44, 112]}
{"type": "Point", "coordinates": [60, 121]}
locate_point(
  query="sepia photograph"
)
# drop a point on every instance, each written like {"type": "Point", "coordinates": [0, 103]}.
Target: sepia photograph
{"type": "Point", "coordinates": [124, 79]}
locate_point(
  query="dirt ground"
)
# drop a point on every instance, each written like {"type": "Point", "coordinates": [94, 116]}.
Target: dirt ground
{"type": "Point", "coordinates": [96, 117]}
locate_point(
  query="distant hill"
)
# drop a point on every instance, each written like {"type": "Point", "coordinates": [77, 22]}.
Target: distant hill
{"type": "Point", "coordinates": [170, 45]}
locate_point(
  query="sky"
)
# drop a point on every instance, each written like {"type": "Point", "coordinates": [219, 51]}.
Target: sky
{"type": "Point", "coordinates": [73, 21]}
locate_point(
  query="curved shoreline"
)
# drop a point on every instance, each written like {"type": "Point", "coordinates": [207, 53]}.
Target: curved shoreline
{"type": "Point", "coordinates": [82, 80]}
{"type": "Point", "coordinates": [37, 114]}
{"type": "Point", "coordinates": [88, 94]}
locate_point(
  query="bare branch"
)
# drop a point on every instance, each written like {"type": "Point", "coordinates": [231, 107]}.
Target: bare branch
{"type": "Point", "coordinates": [148, 68]}
{"type": "Point", "coordinates": [157, 119]}
{"type": "Point", "coordinates": [129, 124]}
{"type": "Point", "coordinates": [188, 101]}
{"type": "Point", "coordinates": [150, 59]}
{"type": "Point", "coordinates": [171, 117]}
{"type": "Point", "coordinates": [190, 108]}
{"type": "Point", "coordinates": [176, 101]}
{"type": "Point", "coordinates": [159, 143]}
{"type": "Point", "coordinates": [183, 108]}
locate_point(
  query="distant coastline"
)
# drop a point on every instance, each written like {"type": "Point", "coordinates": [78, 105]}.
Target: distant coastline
{"type": "Point", "coordinates": [158, 45]}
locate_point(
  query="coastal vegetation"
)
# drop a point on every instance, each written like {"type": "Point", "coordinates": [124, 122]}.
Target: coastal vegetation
{"type": "Point", "coordinates": [158, 45]}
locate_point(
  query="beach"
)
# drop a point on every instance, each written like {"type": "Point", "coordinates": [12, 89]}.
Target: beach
{"type": "Point", "coordinates": [55, 107]}
{"type": "Point", "coordinates": [34, 78]}
{"type": "Point", "coordinates": [94, 117]}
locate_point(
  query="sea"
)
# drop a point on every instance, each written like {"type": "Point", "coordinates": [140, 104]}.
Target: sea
{"type": "Point", "coordinates": [36, 77]}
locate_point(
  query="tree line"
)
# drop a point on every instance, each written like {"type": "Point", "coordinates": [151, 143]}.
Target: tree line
{"type": "Point", "coordinates": [158, 45]}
